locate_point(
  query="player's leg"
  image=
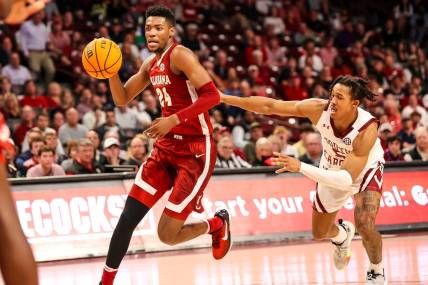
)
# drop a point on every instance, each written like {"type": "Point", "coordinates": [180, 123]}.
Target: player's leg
{"type": "Point", "coordinates": [16, 259]}
{"type": "Point", "coordinates": [193, 173]}
{"type": "Point", "coordinates": [327, 203]}
{"type": "Point", "coordinates": [151, 182]}
{"type": "Point", "coordinates": [366, 209]}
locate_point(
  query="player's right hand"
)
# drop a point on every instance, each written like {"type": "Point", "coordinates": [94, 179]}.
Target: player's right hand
{"type": "Point", "coordinates": [287, 163]}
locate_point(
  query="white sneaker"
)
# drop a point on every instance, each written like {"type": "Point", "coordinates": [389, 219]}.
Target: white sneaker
{"type": "Point", "coordinates": [342, 252]}
{"type": "Point", "coordinates": [376, 278]}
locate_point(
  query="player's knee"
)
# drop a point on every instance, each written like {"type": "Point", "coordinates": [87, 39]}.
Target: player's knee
{"type": "Point", "coordinates": [167, 237]}
{"type": "Point", "coordinates": [364, 225]}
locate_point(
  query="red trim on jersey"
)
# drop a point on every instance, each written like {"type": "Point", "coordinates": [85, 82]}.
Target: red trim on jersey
{"type": "Point", "coordinates": [369, 122]}
{"type": "Point", "coordinates": [320, 204]}
{"type": "Point", "coordinates": [337, 133]}
{"type": "Point", "coordinates": [208, 97]}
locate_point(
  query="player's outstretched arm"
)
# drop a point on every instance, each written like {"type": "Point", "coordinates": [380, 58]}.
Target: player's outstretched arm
{"type": "Point", "coordinates": [310, 108]}
{"type": "Point", "coordinates": [350, 170]}
{"type": "Point", "coordinates": [123, 94]}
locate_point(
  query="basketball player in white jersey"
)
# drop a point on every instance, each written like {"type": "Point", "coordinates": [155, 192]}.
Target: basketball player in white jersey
{"type": "Point", "coordinates": [351, 164]}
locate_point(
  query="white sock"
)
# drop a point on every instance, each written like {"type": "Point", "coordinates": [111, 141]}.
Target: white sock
{"type": "Point", "coordinates": [378, 268]}
{"type": "Point", "coordinates": [109, 269]}
{"type": "Point", "coordinates": [341, 236]}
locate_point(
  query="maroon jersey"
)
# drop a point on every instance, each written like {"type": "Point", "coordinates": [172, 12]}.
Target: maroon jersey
{"type": "Point", "coordinates": [175, 93]}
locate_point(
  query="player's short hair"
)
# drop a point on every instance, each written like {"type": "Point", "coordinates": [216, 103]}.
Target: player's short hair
{"type": "Point", "coordinates": [161, 11]}
{"type": "Point", "coordinates": [359, 87]}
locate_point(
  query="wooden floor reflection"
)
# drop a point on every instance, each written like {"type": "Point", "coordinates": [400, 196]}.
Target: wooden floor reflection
{"type": "Point", "coordinates": [405, 260]}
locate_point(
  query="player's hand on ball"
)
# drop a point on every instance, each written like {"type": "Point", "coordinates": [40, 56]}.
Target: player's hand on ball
{"type": "Point", "coordinates": [287, 163]}
{"type": "Point", "coordinates": [161, 126]}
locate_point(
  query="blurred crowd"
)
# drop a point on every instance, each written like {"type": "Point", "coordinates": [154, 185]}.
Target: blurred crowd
{"type": "Point", "coordinates": [64, 122]}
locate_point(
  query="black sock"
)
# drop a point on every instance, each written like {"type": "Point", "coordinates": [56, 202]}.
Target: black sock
{"type": "Point", "coordinates": [133, 212]}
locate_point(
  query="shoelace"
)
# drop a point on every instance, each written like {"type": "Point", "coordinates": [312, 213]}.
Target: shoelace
{"type": "Point", "coordinates": [373, 275]}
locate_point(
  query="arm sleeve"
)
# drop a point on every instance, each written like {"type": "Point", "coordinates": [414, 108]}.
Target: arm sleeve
{"type": "Point", "coordinates": [337, 178]}
{"type": "Point", "coordinates": [208, 97]}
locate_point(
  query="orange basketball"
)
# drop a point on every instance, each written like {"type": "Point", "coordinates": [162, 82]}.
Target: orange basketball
{"type": "Point", "coordinates": [102, 58]}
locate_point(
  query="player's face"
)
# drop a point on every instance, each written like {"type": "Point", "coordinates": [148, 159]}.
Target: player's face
{"type": "Point", "coordinates": [158, 33]}
{"type": "Point", "coordinates": [341, 103]}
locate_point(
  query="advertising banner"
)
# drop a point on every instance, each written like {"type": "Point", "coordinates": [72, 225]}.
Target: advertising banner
{"type": "Point", "coordinates": [70, 220]}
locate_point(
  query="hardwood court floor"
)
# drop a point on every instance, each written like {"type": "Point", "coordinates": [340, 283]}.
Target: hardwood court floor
{"type": "Point", "coordinates": [405, 260]}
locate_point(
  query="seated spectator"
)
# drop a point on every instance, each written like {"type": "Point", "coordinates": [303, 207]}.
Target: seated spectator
{"type": "Point", "coordinates": [420, 150]}
{"type": "Point", "coordinates": [54, 95]}
{"type": "Point", "coordinates": [27, 123]}
{"type": "Point", "coordinates": [95, 117]}
{"type": "Point", "coordinates": [263, 152]}
{"type": "Point", "coordinates": [137, 150]}
{"type": "Point", "coordinates": [110, 155]}
{"type": "Point", "coordinates": [12, 169]}
{"type": "Point", "coordinates": [17, 73]}
{"type": "Point", "coordinates": [46, 165]}
{"type": "Point", "coordinates": [32, 97]}
{"type": "Point", "coordinates": [84, 163]}
{"type": "Point", "coordinates": [256, 132]}
{"type": "Point", "coordinates": [27, 159]}
{"type": "Point", "coordinates": [85, 102]}
{"type": "Point", "coordinates": [406, 134]}
{"type": "Point", "coordinates": [384, 131]}
{"type": "Point", "coordinates": [109, 125]}
{"type": "Point", "coordinates": [393, 153]}
{"type": "Point", "coordinates": [71, 152]}
{"type": "Point", "coordinates": [226, 158]}
{"type": "Point", "coordinates": [95, 139]}
{"type": "Point", "coordinates": [313, 147]}
{"type": "Point", "coordinates": [284, 134]}
{"type": "Point", "coordinates": [58, 120]}
{"type": "Point", "coordinates": [414, 107]}
{"type": "Point", "coordinates": [71, 130]}
{"type": "Point", "coordinates": [11, 110]}
{"type": "Point", "coordinates": [305, 129]}
{"type": "Point", "coordinates": [51, 140]}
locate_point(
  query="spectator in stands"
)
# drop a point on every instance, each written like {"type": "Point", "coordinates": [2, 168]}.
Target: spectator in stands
{"type": "Point", "coordinates": [46, 164]}
{"type": "Point", "coordinates": [313, 147]}
{"type": "Point", "coordinates": [420, 150]}
{"type": "Point", "coordinates": [305, 129]}
{"type": "Point", "coordinates": [126, 118]}
{"type": "Point", "coordinates": [58, 120]}
{"type": "Point", "coordinates": [84, 162]}
{"type": "Point", "coordinates": [110, 155]}
{"type": "Point", "coordinates": [67, 100]}
{"type": "Point", "coordinates": [138, 150]}
{"type": "Point", "coordinates": [226, 158]}
{"type": "Point", "coordinates": [34, 39]}
{"type": "Point", "coordinates": [284, 134]}
{"type": "Point", "coordinates": [6, 51]}
{"type": "Point", "coordinates": [416, 119]}
{"type": "Point", "coordinates": [27, 122]}
{"type": "Point", "coordinates": [406, 134]}
{"type": "Point", "coordinates": [95, 139]}
{"type": "Point", "coordinates": [311, 55]}
{"type": "Point", "coordinates": [42, 125]}
{"type": "Point", "coordinates": [96, 117]}
{"type": "Point", "coordinates": [256, 132]}
{"type": "Point", "coordinates": [263, 152]}
{"type": "Point", "coordinates": [12, 169]}
{"type": "Point", "coordinates": [17, 73]}
{"type": "Point", "coordinates": [71, 130]}
{"type": "Point", "coordinates": [11, 110]}
{"type": "Point", "coordinates": [85, 102]}
{"type": "Point", "coordinates": [276, 53]}
{"type": "Point", "coordinates": [151, 105]}
{"type": "Point", "coordinates": [71, 152]}
{"type": "Point", "coordinates": [191, 40]}
{"type": "Point", "coordinates": [393, 153]}
{"type": "Point", "coordinates": [294, 89]}
{"type": "Point", "coordinates": [27, 159]}
{"type": "Point", "coordinates": [53, 97]}
{"type": "Point", "coordinates": [221, 66]}
{"type": "Point", "coordinates": [51, 140]}
{"type": "Point", "coordinates": [32, 97]}
{"type": "Point", "coordinates": [328, 52]}
{"type": "Point", "coordinates": [393, 114]}
{"type": "Point", "coordinates": [414, 106]}
{"type": "Point", "coordinates": [109, 125]}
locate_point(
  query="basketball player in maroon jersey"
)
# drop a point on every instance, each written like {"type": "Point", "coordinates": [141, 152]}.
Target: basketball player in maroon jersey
{"type": "Point", "coordinates": [183, 157]}
{"type": "Point", "coordinates": [16, 259]}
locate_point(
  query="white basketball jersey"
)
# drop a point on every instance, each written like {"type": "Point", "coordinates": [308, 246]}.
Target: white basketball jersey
{"type": "Point", "coordinates": [336, 148]}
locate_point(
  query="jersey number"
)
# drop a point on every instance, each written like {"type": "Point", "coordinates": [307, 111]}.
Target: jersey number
{"type": "Point", "coordinates": [164, 97]}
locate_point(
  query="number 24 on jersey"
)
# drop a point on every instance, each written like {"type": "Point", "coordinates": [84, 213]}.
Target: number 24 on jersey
{"type": "Point", "coordinates": [164, 97]}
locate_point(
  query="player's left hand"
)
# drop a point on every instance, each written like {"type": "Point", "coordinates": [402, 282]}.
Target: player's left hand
{"type": "Point", "coordinates": [161, 126]}
{"type": "Point", "coordinates": [287, 163]}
